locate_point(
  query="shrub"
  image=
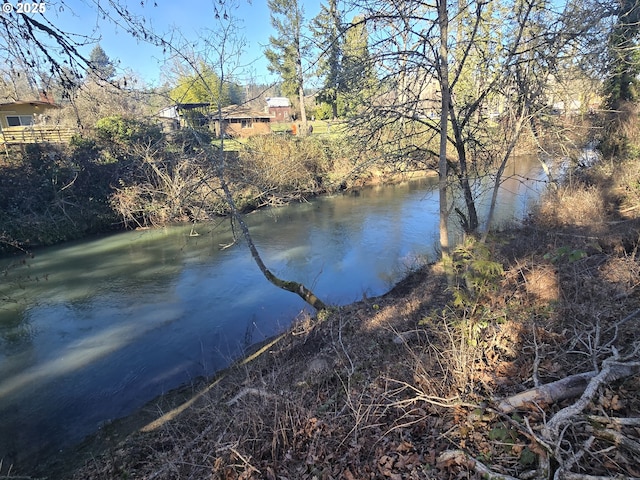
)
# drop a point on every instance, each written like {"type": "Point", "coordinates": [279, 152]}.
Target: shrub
{"type": "Point", "coordinates": [477, 275]}
{"type": "Point", "coordinates": [84, 148]}
{"type": "Point", "coordinates": [284, 166]}
{"type": "Point", "coordinates": [127, 131]}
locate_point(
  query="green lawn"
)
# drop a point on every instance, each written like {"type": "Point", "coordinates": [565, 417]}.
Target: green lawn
{"type": "Point", "coordinates": [320, 127]}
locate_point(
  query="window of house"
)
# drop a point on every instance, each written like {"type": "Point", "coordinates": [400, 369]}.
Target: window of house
{"type": "Point", "coordinates": [19, 120]}
{"type": "Point", "coordinates": [247, 123]}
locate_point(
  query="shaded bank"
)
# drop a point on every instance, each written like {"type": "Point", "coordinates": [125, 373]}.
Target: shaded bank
{"type": "Point", "coordinates": [101, 183]}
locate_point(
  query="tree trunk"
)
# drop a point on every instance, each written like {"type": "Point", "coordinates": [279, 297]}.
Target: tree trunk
{"type": "Point", "coordinates": [520, 121]}
{"type": "Point", "coordinates": [470, 220]}
{"type": "Point", "coordinates": [303, 112]}
{"type": "Point", "coordinates": [294, 287]}
{"type": "Point", "coordinates": [443, 21]}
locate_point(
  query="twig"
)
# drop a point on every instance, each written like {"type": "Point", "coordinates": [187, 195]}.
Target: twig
{"type": "Point", "coordinates": [566, 465]}
{"type": "Point", "coordinates": [536, 360]}
{"type": "Point", "coordinates": [246, 462]}
{"type": "Point", "coordinates": [629, 209]}
{"type": "Point", "coordinates": [617, 438]}
{"type": "Point", "coordinates": [451, 402]}
{"type": "Point", "coordinates": [623, 321]}
{"type": "Point", "coordinates": [353, 368]}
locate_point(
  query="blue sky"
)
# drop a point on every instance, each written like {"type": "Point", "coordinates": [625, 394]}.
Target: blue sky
{"type": "Point", "coordinates": [189, 18]}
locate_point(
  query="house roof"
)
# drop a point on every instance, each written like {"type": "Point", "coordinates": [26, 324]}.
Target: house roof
{"type": "Point", "coordinates": [34, 103]}
{"type": "Point", "coordinates": [278, 102]}
{"type": "Point", "coordinates": [239, 111]}
{"type": "Point", "coordinates": [169, 112]}
{"type": "Point", "coordinates": [229, 112]}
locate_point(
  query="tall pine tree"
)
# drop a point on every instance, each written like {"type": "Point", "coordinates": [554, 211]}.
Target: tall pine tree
{"type": "Point", "coordinates": [101, 65]}
{"type": "Point", "coordinates": [327, 31]}
{"type": "Point", "coordinates": [287, 49]}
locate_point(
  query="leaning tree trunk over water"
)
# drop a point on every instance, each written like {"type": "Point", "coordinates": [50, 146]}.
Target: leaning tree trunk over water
{"type": "Point", "coordinates": [294, 287]}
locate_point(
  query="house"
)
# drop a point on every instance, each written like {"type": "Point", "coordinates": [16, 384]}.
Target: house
{"type": "Point", "coordinates": [180, 115]}
{"type": "Point", "coordinates": [237, 120]}
{"type": "Point", "coordinates": [279, 108]}
{"type": "Point", "coordinates": [24, 113]}
{"type": "Point", "coordinates": [26, 122]}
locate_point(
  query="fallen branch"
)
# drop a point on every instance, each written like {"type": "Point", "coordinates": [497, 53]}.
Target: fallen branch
{"type": "Point", "coordinates": [617, 421]}
{"type": "Point", "coordinates": [568, 387]}
{"type": "Point", "coordinates": [611, 371]}
{"type": "Point", "coordinates": [460, 457]}
{"type": "Point", "coordinates": [547, 394]}
{"type": "Point", "coordinates": [618, 439]}
{"type": "Point", "coordinates": [252, 391]}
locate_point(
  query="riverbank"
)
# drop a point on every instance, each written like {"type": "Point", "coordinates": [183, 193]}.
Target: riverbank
{"type": "Point", "coordinates": [99, 184]}
{"type": "Point", "coordinates": [409, 384]}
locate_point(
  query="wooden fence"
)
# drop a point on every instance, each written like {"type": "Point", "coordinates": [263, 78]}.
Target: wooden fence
{"type": "Point", "coordinates": [36, 134]}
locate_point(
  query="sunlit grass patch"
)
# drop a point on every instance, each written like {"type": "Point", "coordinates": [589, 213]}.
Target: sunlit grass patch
{"type": "Point", "coordinates": [580, 206]}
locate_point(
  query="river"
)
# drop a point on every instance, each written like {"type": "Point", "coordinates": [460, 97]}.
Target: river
{"type": "Point", "coordinates": [92, 330]}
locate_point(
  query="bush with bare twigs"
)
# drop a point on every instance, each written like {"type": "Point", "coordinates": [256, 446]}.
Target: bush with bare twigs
{"type": "Point", "coordinates": [280, 168]}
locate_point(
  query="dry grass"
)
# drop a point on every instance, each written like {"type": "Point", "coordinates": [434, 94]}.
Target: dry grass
{"type": "Point", "coordinates": [578, 206]}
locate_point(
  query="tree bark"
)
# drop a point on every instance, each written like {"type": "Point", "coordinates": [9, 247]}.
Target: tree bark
{"type": "Point", "coordinates": [443, 21]}
{"type": "Point", "coordinates": [470, 221]}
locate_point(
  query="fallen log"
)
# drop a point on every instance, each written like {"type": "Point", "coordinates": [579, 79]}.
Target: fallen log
{"type": "Point", "coordinates": [568, 387]}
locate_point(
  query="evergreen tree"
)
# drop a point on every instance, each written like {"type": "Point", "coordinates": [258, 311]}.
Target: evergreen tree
{"type": "Point", "coordinates": [356, 76]}
{"type": "Point", "coordinates": [327, 30]}
{"type": "Point", "coordinates": [287, 49]}
{"type": "Point", "coordinates": [101, 65]}
{"type": "Point", "coordinates": [622, 84]}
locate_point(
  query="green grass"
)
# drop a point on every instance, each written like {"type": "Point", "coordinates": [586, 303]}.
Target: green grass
{"type": "Point", "coordinates": [320, 127]}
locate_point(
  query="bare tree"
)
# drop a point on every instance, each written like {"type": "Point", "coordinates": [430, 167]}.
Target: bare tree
{"type": "Point", "coordinates": [220, 49]}
{"type": "Point", "coordinates": [500, 57]}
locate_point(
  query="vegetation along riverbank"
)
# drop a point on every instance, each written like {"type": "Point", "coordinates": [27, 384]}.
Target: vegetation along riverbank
{"type": "Point", "coordinates": [126, 173]}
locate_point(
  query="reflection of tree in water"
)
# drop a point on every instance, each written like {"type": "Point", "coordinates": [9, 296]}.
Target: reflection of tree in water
{"type": "Point", "coordinates": [15, 330]}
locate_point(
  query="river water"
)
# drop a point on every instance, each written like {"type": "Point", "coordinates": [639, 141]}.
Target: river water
{"type": "Point", "coordinates": [92, 330]}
